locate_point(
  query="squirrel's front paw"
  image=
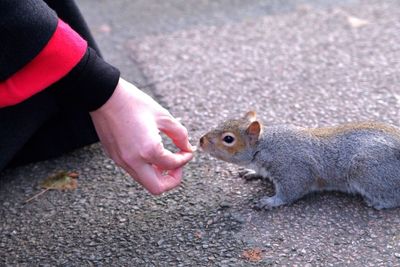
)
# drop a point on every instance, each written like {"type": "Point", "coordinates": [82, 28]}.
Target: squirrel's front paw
{"type": "Point", "coordinates": [268, 203]}
{"type": "Point", "coordinates": [249, 174]}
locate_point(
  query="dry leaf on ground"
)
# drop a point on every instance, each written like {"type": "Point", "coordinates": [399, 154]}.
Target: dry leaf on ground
{"type": "Point", "coordinates": [253, 255]}
{"type": "Point", "coordinates": [61, 181]}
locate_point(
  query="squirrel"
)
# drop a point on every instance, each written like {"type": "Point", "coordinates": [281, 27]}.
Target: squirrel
{"type": "Point", "coordinates": [356, 158]}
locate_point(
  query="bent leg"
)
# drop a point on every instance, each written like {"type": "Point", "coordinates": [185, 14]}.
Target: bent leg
{"type": "Point", "coordinates": [41, 128]}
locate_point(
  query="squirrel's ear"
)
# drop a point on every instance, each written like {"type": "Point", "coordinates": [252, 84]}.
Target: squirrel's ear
{"type": "Point", "coordinates": [254, 131]}
{"type": "Point", "coordinates": [251, 116]}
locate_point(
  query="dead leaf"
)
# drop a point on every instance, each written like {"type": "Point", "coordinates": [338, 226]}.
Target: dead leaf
{"type": "Point", "coordinates": [356, 22]}
{"type": "Point", "coordinates": [61, 181]}
{"type": "Point", "coordinates": [253, 255]}
{"type": "Point", "coordinates": [35, 196]}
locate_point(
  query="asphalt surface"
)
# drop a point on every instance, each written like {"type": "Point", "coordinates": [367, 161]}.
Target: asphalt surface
{"type": "Point", "coordinates": [310, 63]}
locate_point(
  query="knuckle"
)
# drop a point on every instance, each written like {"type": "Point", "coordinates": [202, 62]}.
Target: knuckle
{"type": "Point", "coordinates": [179, 127]}
{"type": "Point", "coordinates": [125, 158]}
{"type": "Point", "coordinates": [185, 132]}
{"type": "Point", "coordinates": [151, 151]}
{"type": "Point", "coordinates": [181, 134]}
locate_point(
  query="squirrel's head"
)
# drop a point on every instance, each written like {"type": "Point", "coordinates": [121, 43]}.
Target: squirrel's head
{"type": "Point", "coordinates": [234, 140]}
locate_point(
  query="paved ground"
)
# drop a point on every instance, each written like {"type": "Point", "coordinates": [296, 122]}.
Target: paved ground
{"type": "Point", "coordinates": [304, 62]}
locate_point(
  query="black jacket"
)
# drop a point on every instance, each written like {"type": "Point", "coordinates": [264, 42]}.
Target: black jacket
{"type": "Point", "coordinates": [27, 26]}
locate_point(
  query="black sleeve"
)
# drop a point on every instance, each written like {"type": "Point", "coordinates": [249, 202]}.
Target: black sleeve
{"type": "Point", "coordinates": [90, 83]}
{"type": "Point", "coordinates": [69, 12]}
{"type": "Point", "coordinates": [25, 28]}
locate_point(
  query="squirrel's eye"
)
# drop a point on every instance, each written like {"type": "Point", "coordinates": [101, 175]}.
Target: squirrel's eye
{"type": "Point", "coordinates": [228, 139]}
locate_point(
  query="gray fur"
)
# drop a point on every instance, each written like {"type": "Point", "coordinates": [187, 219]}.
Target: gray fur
{"type": "Point", "coordinates": [356, 161]}
{"type": "Point", "coordinates": [362, 161]}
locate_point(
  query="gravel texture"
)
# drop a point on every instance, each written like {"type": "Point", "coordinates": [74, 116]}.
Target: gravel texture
{"type": "Point", "coordinates": [309, 63]}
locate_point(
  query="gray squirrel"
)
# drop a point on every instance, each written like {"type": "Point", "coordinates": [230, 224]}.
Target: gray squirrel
{"type": "Point", "coordinates": [356, 158]}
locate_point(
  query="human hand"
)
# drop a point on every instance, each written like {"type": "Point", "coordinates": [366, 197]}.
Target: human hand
{"type": "Point", "coordinates": [128, 126]}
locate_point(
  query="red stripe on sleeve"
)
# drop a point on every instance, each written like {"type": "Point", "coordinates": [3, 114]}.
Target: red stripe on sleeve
{"type": "Point", "coordinates": [60, 55]}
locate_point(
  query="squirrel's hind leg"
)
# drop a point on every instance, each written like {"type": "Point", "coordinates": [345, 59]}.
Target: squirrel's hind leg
{"type": "Point", "coordinates": [381, 197]}
{"type": "Point", "coordinates": [379, 205]}
{"type": "Point", "coordinates": [377, 180]}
